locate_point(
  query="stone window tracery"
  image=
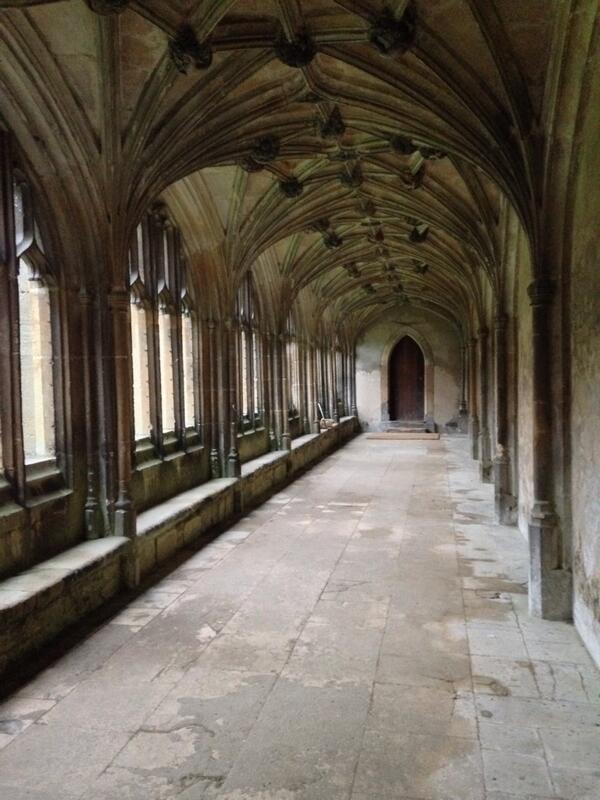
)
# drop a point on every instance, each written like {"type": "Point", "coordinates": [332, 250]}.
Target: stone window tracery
{"type": "Point", "coordinates": [163, 337]}
{"type": "Point", "coordinates": [31, 438]}
{"type": "Point", "coordinates": [249, 361]}
{"type": "Point", "coordinates": [36, 338]}
{"type": "Point", "coordinates": [293, 368]}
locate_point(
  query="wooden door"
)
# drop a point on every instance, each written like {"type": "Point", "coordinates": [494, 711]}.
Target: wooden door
{"type": "Point", "coordinates": [407, 381]}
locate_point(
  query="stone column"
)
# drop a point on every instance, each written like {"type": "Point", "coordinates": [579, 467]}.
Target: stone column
{"type": "Point", "coordinates": [504, 501]}
{"type": "Point", "coordinates": [332, 388]}
{"type": "Point", "coordinates": [234, 469]}
{"type": "Point", "coordinates": [303, 389]}
{"type": "Point", "coordinates": [353, 408]}
{"type": "Point", "coordinates": [462, 407]}
{"type": "Point", "coordinates": [312, 389]}
{"type": "Point", "coordinates": [334, 366]}
{"type": "Point", "coordinates": [94, 518]}
{"type": "Point", "coordinates": [485, 461]}
{"type": "Point", "coordinates": [118, 309]}
{"type": "Point", "coordinates": [215, 459]}
{"type": "Point", "coordinates": [347, 385]}
{"type": "Point", "coordinates": [473, 405]}
{"type": "Point", "coordinates": [277, 386]}
{"type": "Point", "coordinates": [270, 369]}
{"type": "Point", "coordinates": [550, 582]}
{"type": "Point", "coordinates": [286, 439]}
{"type": "Point", "coordinates": [221, 408]}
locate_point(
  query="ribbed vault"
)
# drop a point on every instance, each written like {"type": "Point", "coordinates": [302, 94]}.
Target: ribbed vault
{"type": "Point", "coordinates": [356, 153]}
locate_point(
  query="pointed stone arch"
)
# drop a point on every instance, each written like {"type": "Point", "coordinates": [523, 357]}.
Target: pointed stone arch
{"type": "Point", "coordinates": [421, 341]}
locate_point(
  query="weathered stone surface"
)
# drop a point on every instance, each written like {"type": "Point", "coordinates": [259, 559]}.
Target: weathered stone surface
{"type": "Point", "coordinates": [328, 645]}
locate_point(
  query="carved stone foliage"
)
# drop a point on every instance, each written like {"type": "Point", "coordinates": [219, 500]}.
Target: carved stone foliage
{"type": "Point", "coordinates": [291, 187]}
{"type": "Point", "coordinates": [368, 207]}
{"type": "Point", "coordinates": [431, 153]}
{"type": "Point", "coordinates": [391, 35]}
{"type": "Point", "coordinates": [420, 267]}
{"type": "Point", "coordinates": [186, 51]}
{"type": "Point", "coordinates": [296, 53]}
{"type": "Point", "coordinates": [263, 151]}
{"type": "Point", "coordinates": [333, 126]}
{"type": "Point", "coordinates": [352, 177]}
{"type": "Point", "coordinates": [332, 240]}
{"type": "Point", "coordinates": [418, 234]}
{"type": "Point", "coordinates": [321, 225]}
{"type": "Point", "coordinates": [413, 180]}
{"type": "Point", "coordinates": [402, 145]}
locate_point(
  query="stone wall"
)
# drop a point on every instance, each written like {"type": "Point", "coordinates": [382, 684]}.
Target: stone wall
{"type": "Point", "coordinates": [524, 452]}
{"type": "Point", "coordinates": [585, 390]}
{"type": "Point", "coordinates": [441, 345]}
{"type": "Point", "coordinates": [37, 605]}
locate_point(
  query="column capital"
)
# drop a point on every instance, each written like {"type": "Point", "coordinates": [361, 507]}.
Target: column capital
{"type": "Point", "coordinates": [541, 291]}
{"type": "Point", "coordinates": [118, 299]}
{"type": "Point", "coordinates": [108, 6]}
{"type": "Point", "coordinates": [501, 321]}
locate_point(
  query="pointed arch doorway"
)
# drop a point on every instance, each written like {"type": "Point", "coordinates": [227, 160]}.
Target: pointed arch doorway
{"type": "Point", "coordinates": [407, 381]}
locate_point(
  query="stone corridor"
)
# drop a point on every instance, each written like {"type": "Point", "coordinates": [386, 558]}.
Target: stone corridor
{"type": "Point", "coordinates": [364, 634]}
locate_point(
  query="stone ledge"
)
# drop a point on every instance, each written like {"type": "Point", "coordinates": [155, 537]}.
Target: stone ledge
{"type": "Point", "coordinates": [182, 505]}
{"type": "Point", "coordinates": [261, 476]}
{"type": "Point", "coordinates": [302, 441]}
{"type": "Point", "coordinates": [37, 586]}
{"type": "Point", "coordinates": [38, 604]}
{"type": "Point", "coordinates": [166, 528]}
{"type": "Point", "coordinates": [260, 463]}
{"type": "Point", "coordinates": [41, 602]}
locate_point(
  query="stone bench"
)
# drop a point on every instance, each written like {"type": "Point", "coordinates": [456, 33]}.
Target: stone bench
{"type": "Point", "coordinates": [39, 603]}
{"type": "Point", "coordinates": [164, 529]}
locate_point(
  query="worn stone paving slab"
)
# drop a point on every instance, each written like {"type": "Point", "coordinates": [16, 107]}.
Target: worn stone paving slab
{"type": "Point", "coordinates": [363, 635]}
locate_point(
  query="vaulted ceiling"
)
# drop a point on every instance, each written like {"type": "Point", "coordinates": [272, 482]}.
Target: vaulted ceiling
{"type": "Point", "coordinates": [357, 149]}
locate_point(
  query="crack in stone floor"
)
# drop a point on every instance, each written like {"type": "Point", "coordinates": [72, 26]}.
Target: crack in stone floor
{"type": "Point", "coordinates": [363, 635]}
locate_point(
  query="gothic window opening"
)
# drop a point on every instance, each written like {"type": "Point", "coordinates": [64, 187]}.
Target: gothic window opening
{"type": "Point", "coordinates": [163, 332]}
{"type": "Point", "coordinates": [293, 368]}
{"type": "Point", "coordinates": [37, 378]}
{"type": "Point", "coordinates": [36, 335]}
{"type": "Point", "coordinates": [249, 392]}
{"type": "Point", "coordinates": [187, 340]}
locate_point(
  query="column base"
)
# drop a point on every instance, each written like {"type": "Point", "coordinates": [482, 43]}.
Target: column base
{"type": "Point", "coordinates": [215, 464]}
{"type": "Point", "coordinates": [124, 519]}
{"type": "Point", "coordinates": [485, 461]}
{"type": "Point", "coordinates": [474, 434]}
{"type": "Point", "coordinates": [94, 522]}
{"type": "Point", "coordinates": [550, 586]}
{"type": "Point", "coordinates": [506, 508]}
{"type": "Point", "coordinates": [429, 423]}
{"type": "Point", "coordinates": [132, 566]}
{"type": "Point", "coordinates": [234, 468]}
{"type": "Point", "coordinates": [504, 502]}
{"type": "Point", "coordinates": [485, 471]}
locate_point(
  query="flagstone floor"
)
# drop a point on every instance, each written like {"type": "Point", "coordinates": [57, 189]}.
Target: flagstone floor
{"type": "Point", "coordinates": [364, 635]}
